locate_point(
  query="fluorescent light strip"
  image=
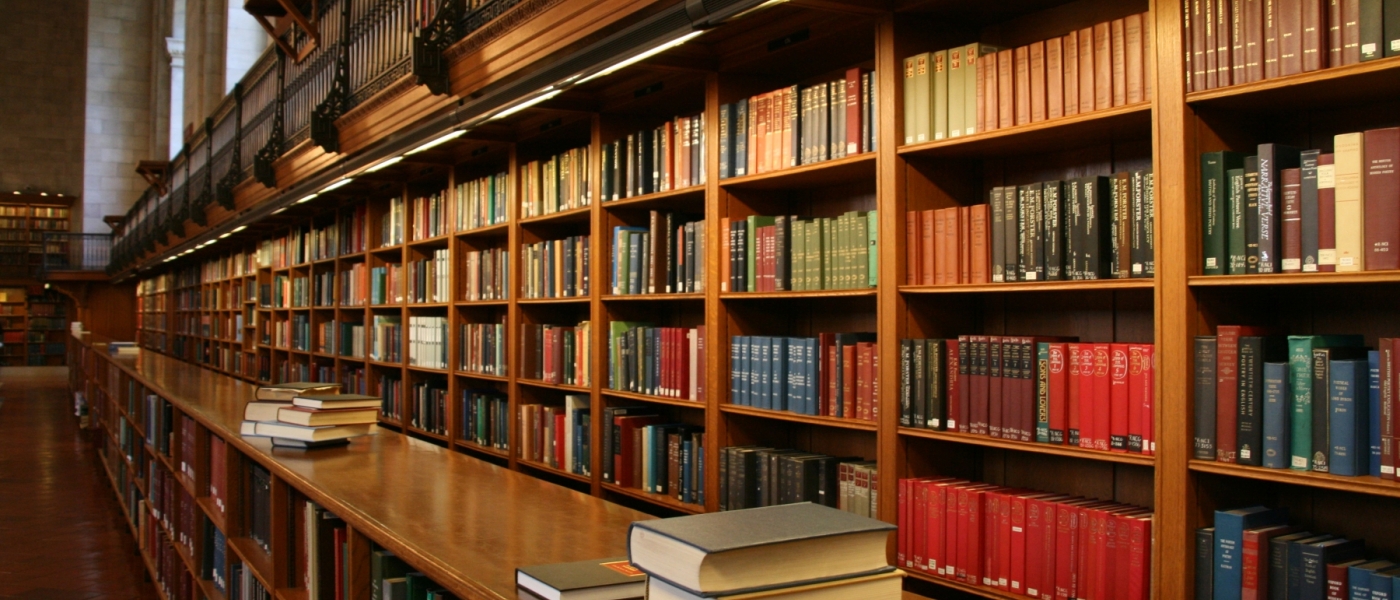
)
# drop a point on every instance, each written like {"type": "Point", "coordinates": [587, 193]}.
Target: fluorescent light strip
{"type": "Point", "coordinates": [524, 105]}
{"type": "Point", "coordinates": [440, 140]}
{"type": "Point", "coordinates": [339, 184]}
{"type": "Point", "coordinates": [239, 228]}
{"type": "Point", "coordinates": [307, 198]}
{"type": "Point", "coordinates": [383, 164]}
{"type": "Point", "coordinates": [279, 211]}
{"type": "Point", "coordinates": [226, 235]}
{"type": "Point", "coordinates": [643, 56]}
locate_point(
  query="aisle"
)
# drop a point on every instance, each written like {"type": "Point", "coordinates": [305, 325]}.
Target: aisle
{"type": "Point", "coordinates": [61, 531]}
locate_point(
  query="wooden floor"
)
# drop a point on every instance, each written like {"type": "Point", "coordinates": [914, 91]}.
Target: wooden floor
{"type": "Point", "coordinates": [61, 531]}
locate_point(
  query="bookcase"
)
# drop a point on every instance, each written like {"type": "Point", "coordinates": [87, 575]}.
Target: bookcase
{"type": "Point", "coordinates": [24, 219]}
{"type": "Point", "coordinates": [33, 322]}
{"type": "Point", "coordinates": [499, 264]}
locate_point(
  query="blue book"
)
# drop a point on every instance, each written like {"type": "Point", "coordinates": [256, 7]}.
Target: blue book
{"type": "Point", "coordinates": [726, 140]}
{"type": "Point", "coordinates": [1229, 544]}
{"type": "Point", "coordinates": [814, 378]}
{"type": "Point", "coordinates": [1317, 556]}
{"type": "Point", "coordinates": [1278, 563]}
{"type": "Point", "coordinates": [687, 455]}
{"type": "Point", "coordinates": [1359, 578]}
{"type": "Point", "coordinates": [741, 137]}
{"type": "Point", "coordinates": [796, 403]}
{"type": "Point", "coordinates": [1276, 409]}
{"type": "Point", "coordinates": [1373, 362]}
{"type": "Point", "coordinates": [1347, 428]}
{"type": "Point", "coordinates": [780, 373]}
{"type": "Point", "coordinates": [1295, 563]}
{"type": "Point", "coordinates": [735, 395]}
{"type": "Point", "coordinates": [1383, 583]}
{"type": "Point", "coordinates": [763, 357]}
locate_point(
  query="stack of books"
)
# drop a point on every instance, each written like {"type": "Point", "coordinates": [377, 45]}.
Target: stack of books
{"type": "Point", "coordinates": [309, 415]}
{"type": "Point", "coordinates": [796, 551]}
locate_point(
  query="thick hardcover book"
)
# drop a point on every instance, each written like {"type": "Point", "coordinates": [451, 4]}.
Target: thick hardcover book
{"type": "Point", "coordinates": [1273, 159]}
{"type": "Point", "coordinates": [1314, 42]}
{"type": "Point", "coordinates": [1121, 227]}
{"type": "Point", "coordinates": [1054, 78]}
{"type": "Point", "coordinates": [1230, 526]}
{"type": "Point", "coordinates": [1021, 70]}
{"type": "Point", "coordinates": [1382, 198]}
{"type": "Point", "coordinates": [1290, 36]}
{"type": "Point", "coordinates": [1052, 230]}
{"type": "Point", "coordinates": [1006, 89]}
{"type": "Point", "coordinates": [1291, 258]}
{"type": "Point", "coordinates": [1070, 45]}
{"type": "Point", "coordinates": [935, 389]}
{"type": "Point", "coordinates": [1374, 413]}
{"type": "Point", "coordinates": [1087, 85]}
{"type": "Point", "coordinates": [1237, 42]}
{"type": "Point", "coordinates": [1094, 252]}
{"type": "Point", "coordinates": [1252, 13]}
{"type": "Point", "coordinates": [1228, 388]}
{"type": "Point", "coordinates": [1255, 563]}
{"type": "Point", "coordinates": [1212, 59]}
{"type": "Point", "coordinates": [1011, 235]}
{"type": "Point", "coordinates": [1300, 366]}
{"type": "Point", "coordinates": [1205, 400]}
{"type": "Point", "coordinates": [1254, 351]}
{"type": "Point", "coordinates": [998, 234]}
{"type": "Point", "coordinates": [607, 578]}
{"type": "Point", "coordinates": [1251, 213]}
{"type": "Point", "coordinates": [1118, 57]}
{"type": "Point", "coordinates": [1326, 213]}
{"type": "Point", "coordinates": [935, 96]}
{"type": "Point", "coordinates": [1307, 209]}
{"type": "Point", "coordinates": [1103, 66]}
{"type": "Point", "coordinates": [1323, 359]}
{"type": "Point", "coordinates": [1371, 29]}
{"type": "Point", "coordinates": [1214, 209]}
{"type": "Point", "coordinates": [1359, 577]}
{"type": "Point", "coordinates": [1388, 377]}
{"type": "Point", "coordinates": [1315, 558]}
{"type": "Point", "coordinates": [1391, 30]}
{"type": "Point", "coordinates": [1271, 38]}
{"type": "Point", "coordinates": [1276, 410]}
{"type": "Point", "coordinates": [1349, 413]}
{"type": "Point", "coordinates": [1350, 193]}
{"type": "Point", "coordinates": [1205, 562]}
{"type": "Point", "coordinates": [1236, 251]}
{"type": "Point", "coordinates": [1279, 547]}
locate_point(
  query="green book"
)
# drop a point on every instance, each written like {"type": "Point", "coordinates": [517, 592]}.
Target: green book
{"type": "Point", "coordinates": [1300, 400]}
{"type": "Point", "coordinates": [828, 249]}
{"type": "Point", "coordinates": [383, 565]}
{"type": "Point", "coordinates": [860, 250]}
{"type": "Point", "coordinates": [872, 253]}
{"type": "Point", "coordinates": [1214, 187]}
{"type": "Point", "coordinates": [417, 586]}
{"type": "Point", "coordinates": [938, 68]}
{"type": "Point", "coordinates": [816, 252]}
{"type": "Point", "coordinates": [841, 257]}
{"type": "Point", "coordinates": [755, 221]}
{"type": "Point", "coordinates": [1236, 251]}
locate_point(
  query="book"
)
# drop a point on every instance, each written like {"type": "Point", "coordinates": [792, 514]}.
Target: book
{"type": "Point", "coordinates": [1205, 562]}
{"type": "Point", "coordinates": [713, 554]}
{"type": "Point", "coordinates": [335, 401]}
{"type": "Point", "coordinates": [607, 579]}
{"type": "Point", "coordinates": [1273, 160]}
{"type": "Point", "coordinates": [1254, 352]}
{"type": "Point", "coordinates": [1300, 368]}
{"type": "Point", "coordinates": [312, 434]}
{"type": "Point", "coordinates": [1227, 391]}
{"type": "Point", "coordinates": [1230, 526]}
{"type": "Point", "coordinates": [1381, 153]}
{"type": "Point", "coordinates": [1205, 401]}
{"type": "Point", "coordinates": [308, 417]}
{"type": "Point", "coordinates": [1255, 560]}
{"type": "Point", "coordinates": [1359, 577]}
{"type": "Point", "coordinates": [285, 392]}
{"type": "Point", "coordinates": [1349, 193]}
{"type": "Point", "coordinates": [883, 586]}
{"type": "Point", "coordinates": [1315, 557]}
{"type": "Point", "coordinates": [1322, 391]}
{"type": "Point", "coordinates": [1348, 414]}
{"type": "Point", "coordinates": [284, 442]}
{"type": "Point", "coordinates": [1276, 408]}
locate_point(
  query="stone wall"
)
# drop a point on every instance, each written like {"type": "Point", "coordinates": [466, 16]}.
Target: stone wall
{"type": "Point", "coordinates": [43, 59]}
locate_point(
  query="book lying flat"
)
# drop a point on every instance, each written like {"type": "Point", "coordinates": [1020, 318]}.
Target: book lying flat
{"type": "Point", "coordinates": [334, 400]}
{"type": "Point", "coordinates": [262, 410]}
{"type": "Point", "coordinates": [883, 586]}
{"type": "Point", "coordinates": [311, 417]}
{"type": "Point", "coordinates": [286, 391]}
{"type": "Point", "coordinates": [606, 579]}
{"type": "Point", "coordinates": [279, 442]}
{"type": "Point", "coordinates": [311, 434]}
{"type": "Point", "coordinates": [740, 551]}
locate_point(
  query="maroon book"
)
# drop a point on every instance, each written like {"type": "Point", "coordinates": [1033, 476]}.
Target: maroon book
{"type": "Point", "coordinates": [1271, 38]}
{"type": "Point", "coordinates": [1334, 33]}
{"type": "Point", "coordinates": [1227, 392]}
{"type": "Point", "coordinates": [1314, 35]}
{"type": "Point", "coordinates": [1351, 32]}
{"type": "Point", "coordinates": [1292, 220]}
{"type": "Point", "coordinates": [1237, 41]}
{"type": "Point", "coordinates": [1198, 44]}
{"type": "Point", "coordinates": [1290, 35]}
{"type": "Point", "coordinates": [1224, 23]}
{"type": "Point", "coordinates": [1382, 189]}
{"type": "Point", "coordinates": [1252, 13]}
{"type": "Point", "coordinates": [1326, 214]}
{"type": "Point", "coordinates": [1212, 65]}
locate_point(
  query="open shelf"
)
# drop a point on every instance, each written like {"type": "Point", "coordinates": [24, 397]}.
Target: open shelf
{"type": "Point", "coordinates": [832, 172]}
{"type": "Point", "coordinates": [1373, 486]}
{"type": "Point", "coordinates": [781, 415]}
{"type": "Point", "coordinates": [660, 499]}
{"type": "Point", "coordinates": [1100, 126]}
{"type": "Point", "coordinates": [1294, 279]}
{"type": "Point", "coordinates": [1032, 286]}
{"type": "Point", "coordinates": [1336, 86]}
{"type": "Point", "coordinates": [1058, 450]}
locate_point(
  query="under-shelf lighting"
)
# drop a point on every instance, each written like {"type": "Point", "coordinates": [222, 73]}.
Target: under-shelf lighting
{"type": "Point", "coordinates": [337, 185]}
{"type": "Point", "coordinates": [384, 164]}
{"type": "Point", "coordinates": [643, 56]}
{"type": "Point", "coordinates": [279, 211]}
{"type": "Point", "coordinates": [226, 235]}
{"type": "Point", "coordinates": [443, 139]}
{"type": "Point", "coordinates": [307, 198]}
{"type": "Point", "coordinates": [239, 228]}
{"type": "Point", "coordinates": [764, 6]}
{"type": "Point", "coordinates": [550, 93]}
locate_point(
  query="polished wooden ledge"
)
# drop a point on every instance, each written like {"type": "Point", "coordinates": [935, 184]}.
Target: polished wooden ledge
{"type": "Point", "coordinates": [464, 522]}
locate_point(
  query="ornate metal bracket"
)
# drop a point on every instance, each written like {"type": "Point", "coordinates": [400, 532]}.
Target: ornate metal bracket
{"type": "Point", "coordinates": [323, 130]}
{"type": "Point", "coordinates": [263, 171]}
{"type": "Point", "coordinates": [223, 189]}
{"type": "Point", "coordinates": [429, 65]}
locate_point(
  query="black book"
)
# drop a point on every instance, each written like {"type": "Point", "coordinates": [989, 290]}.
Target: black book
{"type": "Point", "coordinates": [1278, 562]}
{"type": "Point", "coordinates": [936, 390]}
{"type": "Point", "coordinates": [912, 394]}
{"type": "Point", "coordinates": [1034, 226]}
{"type": "Point", "coordinates": [1139, 251]}
{"type": "Point", "coordinates": [1322, 390]}
{"type": "Point", "coordinates": [1011, 201]}
{"type": "Point", "coordinates": [1205, 398]}
{"type": "Point", "coordinates": [278, 442]}
{"type": "Point", "coordinates": [1071, 215]}
{"type": "Point", "coordinates": [1149, 211]}
{"type": "Point", "coordinates": [1052, 230]}
{"type": "Point", "coordinates": [607, 579]}
{"type": "Point", "coordinates": [1308, 205]}
{"type": "Point", "coordinates": [1316, 557]}
{"type": "Point", "coordinates": [1391, 30]}
{"type": "Point", "coordinates": [906, 383]}
{"type": "Point", "coordinates": [1371, 21]}
{"type": "Point", "coordinates": [1097, 213]}
{"type": "Point", "coordinates": [1273, 159]}
{"type": "Point", "coordinates": [998, 233]}
{"type": "Point", "coordinates": [1251, 214]}
{"type": "Point", "coordinates": [1205, 562]}
{"type": "Point", "coordinates": [1025, 198]}
{"type": "Point", "coordinates": [1254, 351]}
{"type": "Point", "coordinates": [743, 473]}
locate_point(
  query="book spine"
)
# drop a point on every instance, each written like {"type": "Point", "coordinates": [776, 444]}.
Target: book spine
{"type": "Point", "coordinates": [1382, 198]}
{"type": "Point", "coordinates": [1251, 213]}
{"type": "Point", "coordinates": [1276, 409]}
{"type": "Point", "coordinates": [1371, 29]}
{"type": "Point", "coordinates": [1226, 393]}
{"type": "Point", "coordinates": [1249, 414]}
{"type": "Point", "coordinates": [1291, 257]}
{"type": "Point", "coordinates": [1350, 209]}
{"type": "Point", "coordinates": [1347, 413]}
{"type": "Point", "coordinates": [1326, 213]}
{"type": "Point", "coordinates": [1307, 210]}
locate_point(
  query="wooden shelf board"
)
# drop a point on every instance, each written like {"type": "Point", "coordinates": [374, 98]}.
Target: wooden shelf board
{"type": "Point", "coordinates": [429, 304]}
{"type": "Point", "coordinates": [485, 231]}
{"type": "Point", "coordinates": [572, 215]}
{"type": "Point", "coordinates": [548, 469]}
{"type": "Point", "coordinates": [1132, 121]}
{"type": "Point", "coordinates": [475, 375]}
{"type": "Point", "coordinates": [481, 303]}
{"type": "Point", "coordinates": [428, 370]}
{"type": "Point", "coordinates": [553, 386]}
{"type": "Point", "coordinates": [659, 499]}
{"type": "Point", "coordinates": [1031, 286]}
{"type": "Point", "coordinates": [1294, 278]}
{"type": "Point", "coordinates": [414, 429]}
{"type": "Point", "coordinates": [652, 297]}
{"type": "Point", "coordinates": [857, 293]}
{"type": "Point", "coordinates": [437, 240]}
{"type": "Point", "coordinates": [1338, 86]}
{"type": "Point", "coordinates": [654, 399]}
{"type": "Point", "coordinates": [1373, 486]}
{"type": "Point", "coordinates": [475, 447]}
{"type": "Point", "coordinates": [254, 558]}
{"type": "Point", "coordinates": [825, 173]}
{"type": "Point", "coordinates": [565, 300]}
{"type": "Point", "coordinates": [975, 590]}
{"type": "Point", "coordinates": [780, 415]}
{"type": "Point", "coordinates": [1058, 450]}
{"type": "Point", "coordinates": [669, 197]}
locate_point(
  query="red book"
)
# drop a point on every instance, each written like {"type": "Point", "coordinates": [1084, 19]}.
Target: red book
{"type": "Point", "coordinates": [967, 571]}
{"type": "Point", "coordinates": [864, 379]}
{"type": "Point", "coordinates": [917, 555]}
{"type": "Point", "coordinates": [952, 532]}
{"type": "Point", "coordinates": [1066, 518]}
{"type": "Point", "coordinates": [627, 450]}
{"type": "Point", "coordinates": [903, 558]}
{"type": "Point", "coordinates": [912, 243]}
{"type": "Point", "coordinates": [981, 383]}
{"type": "Point", "coordinates": [1292, 186]}
{"type": "Point", "coordinates": [874, 382]}
{"type": "Point", "coordinates": [1314, 35]}
{"type": "Point", "coordinates": [1139, 558]}
{"type": "Point", "coordinates": [1290, 36]}
{"type": "Point", "coordinates": [1382, 190]}
{"type": "Point", "coordinates": [1338, 575]}
{"type": "Point", "coordinates": [1140, 395]}
{"type": "Point", "coordinates": [1254, 561]}
{"type": "Point", "coordinates": [559, 440]}
{"type": "Point", "coordinates": [1020, 539]}
{"type": "Point", "coordinates": [848, 381]}
{"type": "Point", "coordinates": [338, 538]}
{"type": "Point", "coordinates": [1092, 400]}
{"type": "Point", "coordinates": [1351, 32]}
{"type": "Point", "coordinates": [700, 362]}
{"type": "Point", "coordinates": [1073, 392]}
{"type": "Point", "coordinates": [1227, 364]}
{"type": "Point", "coordinates": [1118, 398]}
{"type": "Point", "coordinates": [991, 537]}
{"type": "Point", "coordinates": [854, 140]}
{"type": "Point", "coordinates": [964, 220]}
{"type": "Point", "coordinates": [997, 356]}
{"type": "Point", "coordinates": [1326, 214]}
{"type": "Point", "coordinates": [826, 342]}
{"type": "Point", "coordinates": [1272, 29]}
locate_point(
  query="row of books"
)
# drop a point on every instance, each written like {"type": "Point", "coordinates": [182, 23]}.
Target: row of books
{"type": "Point", "coordinates": [556, 436]}
{"type": "Point", "coordinates": [1285, 210]}
{"type": "Point", "coordinates": [555, 184]}
{"type": "Point", "coordinates": [665, 257]}
{"type": "Point", "coordinates": [756, 476]}
{"type": "Point", "coordinates": [430, 407]}
{"type": "Point", "coordinates": [787, 253]}
{"type": "Point", "coordinates": [668, 157]}
{"type": "Point", "coordinates": [798, 125]}
{"type": "Point", "coordinates": [391, 223]}
{"type": "Point", "coordinates": [1231, 42]}
{"type": "Point", "coordinates": [278, 252]}
{"type": "Point", "coordinates": [386, 284]}
{"type": "Point", "coordinates": [660, 457]}
{"type": "Point", "coordinates": [660, 361]}
{"type": "Point", "coordinates": [1024, 542]}
{"type": "Point", "coordinates": [831, 375]}
{"type": "Point", "coordinates": [1253, 552]}
{"type": "Point", "coordinates": [482, 202]}
{"type": "Point", "coordinates": [322, 242]}
{"type": "Point", "coordinates": [172, 577]}
{"type": "Point", "coordinates": [429, 280]}
{"type": "Point", "coordinates": [294, 333]}
{"type": "Point", "coordinates": [353, 284]}
{"type": "Point", "coordinates": [1099, 396]}
{"type": "Point", "coordinates": [482, 348]}
{"type": "Point", "coordinates": [1305, 402]}
{"type": "Point", "coordinates": [427, 341]}
{"type": "Point", "coordinates": [287, 292]}
{"type": "Point", "coordinates": [386, 338]}
{"type": "Point", "coordinates": [353, 228]}
{"type": "Point", "coordinates": [486, 275]}
{"type": "Point", "coordinates": [557, 354]}
{"type": "Point", "coordinates": [555, 268]}
{"type": "Point", "coordinates": [485, 418]}
{"type": "Point", "coordinates": [390, 388]}
{"type": "Point", "coordinates": [323, 289]}
{"type": "Point", "coordinates": [172, 506]}
{"type": "Point", "coordinates": [429, 216]}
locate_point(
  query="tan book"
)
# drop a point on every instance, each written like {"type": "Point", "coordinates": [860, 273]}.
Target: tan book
{"type": "Point", "coordinates": [1054, 78]}
{"type": "Point", "coordinates": [789, 121]}
{"type": "Point", "coordinates": [262, 410]}
{"type": "Point", "coordinates": [1021, 58]}
{"type": "Point", "coordinates": [1103, 67]}
{"type": "Point", "coordinates": [336, 401]}
{"type": "Point", "coordinates": [939, 94]}
{"type": "Point", "coordinates": [312, 434]}
{"type": "Point", "coordinates": [1071, 62]}
{"type": "Point", "coordinates": [1006, 90]}
{"type": "Point", "coordinates": [310, 417]}
{"type": "Point", "coordinates": [1133, 58]}
{"type": "Point", "coordinates": [1351, 208]}
{"type": "Point", "coordinates": [911, 103]}
{"type": "Point", "coordinates": [987, 93]}
{"type": "Point", "coordinates": [972, 55]}
{"type": "Point", "coordinates": [1037, 81]}
{"type": "Point", "coordinates": [1147, 72]}
{"type": "Point", "coordinates": [286, 391]}
{"type": "Point", "coordinates": [883, 586]}
{"type": "Point", "coordinates": [957, 112]}
{"type": "Point", "coordinates": [1086, 70]}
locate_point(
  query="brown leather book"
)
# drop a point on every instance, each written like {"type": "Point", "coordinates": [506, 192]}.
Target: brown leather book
{"type": "Point", "coordinates": [1271, 38]}
{"type": "Point", "coordinates": [1118, 53]}
{"type": "Point", "coordinates": [1290, 36]}
{"type": "Point", "coordinates": [929, 256]}
{"type": "Point", "coordinates": [979, 77]}
{"type": "Point", "coordinates": [1292, 230]}
{"type": "Point", "coordinates": [1382, 197]}
{"type": "Point", "coordinates": [912, 244]}
{"type": "Point", "coordinates": [1132, 58]}
{"type": "Point", "coordinates": [1103, 67]}
{"type": "Point", "coordinates": [1071, 80]}
{"type": "Point", "coordinates": [940, 246]}
{"type": "Point", "coordinates": [1212, 65]}
{"type": "Point", "coordinates": [1326, 213]}
{"type": "Point", "coordinates": [854, 111]}
{"type": "Point", "coordinates": [1197, 20]}
{"type": "Point", "coordinates": [1037, 81]}
{"type": "Point", "coordinates": [1334, 33]}
{"type": "Point", "coordinates": [1351, 32]}
{"type": "Point", "coordinates": [1237, 57]}
{"type": "Point", "coordinates": [1022, 62]}
{"type": "Point", "coordinates": [1086, 70]}
{"type": "Point", "coordinates": [1054, 78]}
{"type": "Point", "coordinates": [1006, 90]}
{"type": "Point", "coordinates": [1223, 24]}
{"type": "Point", "coordinates": [1314, 35]}
{"type": "Point", "coordinates": [1147, 73]}
{"type": "Point", "coordinates": [979, 244]}
{"type": "Point", "coordinates": [950, 246]}
{"type": "Point", "coordinates": [964, 244]}
{"type": "Point", "coordinates": [1252, 11]}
